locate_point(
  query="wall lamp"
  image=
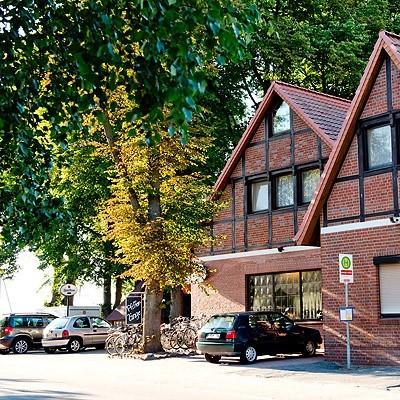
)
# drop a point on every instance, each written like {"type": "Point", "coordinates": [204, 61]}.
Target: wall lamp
{"type": "Point", "coordinates": [281, 248]}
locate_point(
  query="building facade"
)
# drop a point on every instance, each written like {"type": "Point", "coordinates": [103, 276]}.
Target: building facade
{"type": "Point", "coordinates": [312, 177]}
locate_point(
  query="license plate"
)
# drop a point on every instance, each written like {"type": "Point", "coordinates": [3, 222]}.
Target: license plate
{"type": "Point", "coordinates": [213, 336]}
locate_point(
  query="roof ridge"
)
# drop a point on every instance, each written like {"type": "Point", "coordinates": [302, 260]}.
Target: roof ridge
{"type": "Point", "coordinates": [341, 99]}
{"type": "Point", "coordinates": [388, 33]}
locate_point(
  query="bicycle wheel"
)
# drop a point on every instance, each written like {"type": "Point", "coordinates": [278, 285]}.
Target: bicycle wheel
{"type": "Point", "coordinates": [190, 338]}
{"type": "Point", "coordinates": [110, 348]}
{"type": "Point", "coordinates": [120, 344]}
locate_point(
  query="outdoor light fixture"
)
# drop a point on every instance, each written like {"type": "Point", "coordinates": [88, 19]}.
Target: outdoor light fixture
{"type": "Point", "coordinates": [395, 220]}
{"type": "Point", "coordinates": [280, 249]}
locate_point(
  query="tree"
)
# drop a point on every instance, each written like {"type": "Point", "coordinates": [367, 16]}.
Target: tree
{"type": "Point", "coordinates": [64, 59]}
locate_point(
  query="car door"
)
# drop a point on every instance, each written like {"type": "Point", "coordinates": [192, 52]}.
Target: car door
{"type": "Point", "coordinates": [81, 327]}
{"type": "Point", "coordinates": [285, 332]}
{"type": "Point", "coordinates": [35, 328]}
{"type": "Point", "coordinates": [263, 333]}
{"type": "Point", "coordinates": [100, 329]}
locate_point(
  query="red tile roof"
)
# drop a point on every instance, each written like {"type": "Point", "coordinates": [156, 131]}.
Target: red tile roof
{"type": "Point", "coordinates": [389, 43]}
{"type": "Point", "coordinates": [323, 113]}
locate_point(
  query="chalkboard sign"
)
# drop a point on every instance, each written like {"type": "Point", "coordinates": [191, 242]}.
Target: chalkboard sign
{"type": "Point", "coordinates": [133, 309]}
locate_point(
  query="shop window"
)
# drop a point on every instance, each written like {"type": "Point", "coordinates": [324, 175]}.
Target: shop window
{"type": "Point", "coordinates": [259, 196]}
{"type": "Point", "coordinates": [379, 147]}
{"type": "Point", "coordinates": [309, 182]}
{"type": "Point", "coordinates": [389, 280]}
{"type": "Point", "coordinates": [284, 191]}
{"type": "Point", "coordinates": [297, 292]}
{"type": "Point", "coordinates": [281, 119]}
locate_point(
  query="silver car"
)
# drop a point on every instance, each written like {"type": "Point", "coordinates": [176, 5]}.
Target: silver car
{"type": "Point", "coordinates": [74, 333]}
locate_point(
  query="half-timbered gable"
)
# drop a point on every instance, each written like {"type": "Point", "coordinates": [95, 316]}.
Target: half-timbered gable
{"type": "Point", "coordinates": [270, 180]}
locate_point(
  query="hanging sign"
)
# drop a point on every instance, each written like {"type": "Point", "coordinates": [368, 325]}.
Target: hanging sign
{"type": "Point", "coordinates": [68, 289]}
{"type": "Point", "coordinates": [134, 309]}
{"type": "Point", "coordinates": [346, 268]}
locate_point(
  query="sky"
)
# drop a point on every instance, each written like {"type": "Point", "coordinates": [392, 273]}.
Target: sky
{"type": "Point", "coordinates": [26, 293]}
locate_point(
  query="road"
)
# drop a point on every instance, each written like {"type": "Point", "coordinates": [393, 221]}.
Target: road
{"type": "Point", "coordinates": [93, 375]}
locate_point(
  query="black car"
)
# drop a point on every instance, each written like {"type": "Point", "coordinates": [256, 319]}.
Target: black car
{"type": "Point", "coordinates": [249, 334]}
{"type": "Point", "coordinates": [22, 331]}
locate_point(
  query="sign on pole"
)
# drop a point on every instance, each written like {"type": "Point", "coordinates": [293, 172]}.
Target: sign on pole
{"type": "Point", "coordinates": [134, 309]}
{"type": "Point", "coordinates": [346, 314]}
{"type": "Point", "coordinates": [346, 268]}
{"type": "Point", "coordinates": [68, 289]}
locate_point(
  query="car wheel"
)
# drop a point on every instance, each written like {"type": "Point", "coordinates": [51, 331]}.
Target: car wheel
{"type": "Point", "coordinates": [212, 359]}
{"type": "Point", "coordinates": [4, 351]}
{"type": "Point", "coordinates": [309, 348]}
{"type": "Point", "coordinates": [50, 350]}
{"type": "Point", "coordinates": [249, 355]}
{"type": "Point", "coordinates": [74, 345]}
{"type": "Point", "coordinates": [20, 346]}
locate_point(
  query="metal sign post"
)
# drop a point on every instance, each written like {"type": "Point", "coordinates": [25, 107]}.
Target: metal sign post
{"type": "Point", "coordinates": [346, 295]}
{"type": "Point", "coordinates": [346, 276]}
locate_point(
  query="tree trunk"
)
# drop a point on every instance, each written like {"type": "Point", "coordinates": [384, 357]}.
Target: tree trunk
{"type": "Point", "coordinates": [106, 293]}
{"type": "Point", "coordinates": [152, 321]}
{"type": "Point", "coordinates": [176, 304]}
{"type": "Point", "coordinates": [118, 292]}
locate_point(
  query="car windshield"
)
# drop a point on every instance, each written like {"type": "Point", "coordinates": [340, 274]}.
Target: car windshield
{"type": "Point", "coordinates": [58, 323]}
{"type": "Point", "coordinates": [220, 321]}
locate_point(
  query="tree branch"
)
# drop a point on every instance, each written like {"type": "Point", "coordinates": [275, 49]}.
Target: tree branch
{"type": "Point", "coordinates": [121, 167]}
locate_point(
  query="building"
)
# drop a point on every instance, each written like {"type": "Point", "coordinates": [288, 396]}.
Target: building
{"type": "Point", "coordinates": [312, 177]}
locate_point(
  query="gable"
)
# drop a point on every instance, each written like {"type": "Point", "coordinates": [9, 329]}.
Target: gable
{"type": "Point", "coordinates": [369, 101]}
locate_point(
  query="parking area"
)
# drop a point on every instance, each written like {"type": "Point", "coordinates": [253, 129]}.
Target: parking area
{"type": "Point", "coordinates": [91, 374]}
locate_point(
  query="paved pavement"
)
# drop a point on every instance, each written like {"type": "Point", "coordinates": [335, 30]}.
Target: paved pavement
{"type": "Point", "coordinates": [93, 375]}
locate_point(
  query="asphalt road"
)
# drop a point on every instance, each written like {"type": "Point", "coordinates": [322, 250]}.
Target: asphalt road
{"type": "Point", "coordinates": [93, 375]}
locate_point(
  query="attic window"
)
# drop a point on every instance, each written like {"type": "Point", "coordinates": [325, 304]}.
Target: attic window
{"type": "Point", "coordinates": [281, 119]}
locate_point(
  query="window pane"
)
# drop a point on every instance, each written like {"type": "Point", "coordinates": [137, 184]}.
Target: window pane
{"type": "Point", "coordinates": [261, 292]}
{"type": "Point", "coordinates": [259, 196]}
{"type": "Point", "coordinates": [281, 119]}
{"type": "Point", "coordinates": [312, 295]}
{"type": "Point", "coordinates": [389, 279]}
{"type": "Point", "coordinates": [287, 293]}
{"type": "Point", "coordinates": [284, 191]}
{"type": "Point", "coordinates": [310, 181]}
{"type": "Point", "coordinates": [379, 147]}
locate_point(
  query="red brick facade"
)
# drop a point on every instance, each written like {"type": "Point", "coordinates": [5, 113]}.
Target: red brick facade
{"type": "Point", "coordinates": [352, 212]}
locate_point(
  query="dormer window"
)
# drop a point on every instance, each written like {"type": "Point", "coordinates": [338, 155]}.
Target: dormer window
{"type": "Point", "coordinates": [281, 119]}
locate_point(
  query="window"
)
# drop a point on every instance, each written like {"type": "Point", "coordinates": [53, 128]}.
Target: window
{"type": "Point", "coordinates": [309, 182]}
{"type": "Point", "coordinates": [82, 322]}
{"type": "Point", "coordinates": [379, 147]}
{"type": "Point", "coordinates": [389, 280]}
{"type": "Point", "coordinates": [300, 292]}
{"type": "Point", "coordinates": [284, 191]}
{"type": "Point", "coordinates": [281, 119]}
{"type": "Point", "coordinates": [100, 323]}
{"type": "Point", "coordinates": [259, 196]}
{"type": "Point", "coordinates": [34, 322]}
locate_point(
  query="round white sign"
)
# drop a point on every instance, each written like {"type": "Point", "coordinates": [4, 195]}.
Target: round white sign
{"type": "Point", "coordinates": [68, 289]}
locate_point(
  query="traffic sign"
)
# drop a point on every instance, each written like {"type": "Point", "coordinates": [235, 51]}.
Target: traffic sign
{"type": "Point", "coordinates": [68, 289]}
{"type": "Point", "coordinates": [346, 268]}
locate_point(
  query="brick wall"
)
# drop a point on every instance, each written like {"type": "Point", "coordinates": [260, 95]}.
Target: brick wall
{"type": "Point", "coordinates": [395, 87]}
{"type": "Point", "coordinates": [378, 191]}
{"type": "Point", "coordinates": [350, 164]}
{"type": "Point", "coordinates": [305, 147]}
{"type": "Point", "coordinates": [279, 152]}
{"type": "Point", "coordinates": [377, 101]}
{"type": "Point", "coordinates": [373, 340]}
{"type": "Point", "coordinates": [343, 200]}
{"type": "Point", "coordinates": [229, 278]}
